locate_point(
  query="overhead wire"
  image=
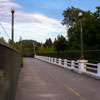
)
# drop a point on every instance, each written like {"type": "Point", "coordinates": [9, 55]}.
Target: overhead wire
{"type": "Point", "coordinates": [4, 31]}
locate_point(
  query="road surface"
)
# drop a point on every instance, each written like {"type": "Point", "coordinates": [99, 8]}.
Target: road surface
{"type": "Point", "coordinates": [39, 80]}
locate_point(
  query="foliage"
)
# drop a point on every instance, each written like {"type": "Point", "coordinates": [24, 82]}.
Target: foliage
{"type": "Point", "coordinates": [70, 16]}
{"type": "Point", "coordinates": [91, 35]}
{"type": "Point", "coordinates": [90, 25]}
{"type": "Point", "coordinates": [42, 49]}
{"type": "Point", "coordinates": [48, 43]}
{"type": "Point", "coordinates": [21, 61]}
{"type": "Point", "coordinates": [2, 39]}
{"type": "Point", "coordinates": [60, 43]}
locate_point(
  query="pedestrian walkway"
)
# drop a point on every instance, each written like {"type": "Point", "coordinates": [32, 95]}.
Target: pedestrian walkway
{"type": "Point", "coordinates": [39, 80]}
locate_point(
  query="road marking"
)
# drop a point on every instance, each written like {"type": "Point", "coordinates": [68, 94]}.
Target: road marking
{"type": "Point", "coordinates": [76, 93]}
{"type": "Point", "coordinates": [68, 87]}
{"type": "Point", "coordinates": [72, 90]}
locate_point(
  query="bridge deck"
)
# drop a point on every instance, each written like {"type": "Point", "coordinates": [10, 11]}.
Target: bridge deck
{"type": "Point", "coordinates": [42, 81]}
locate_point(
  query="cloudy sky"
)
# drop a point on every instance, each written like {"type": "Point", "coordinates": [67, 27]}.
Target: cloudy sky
{"type": "Point", "coordinates": [38, 19]}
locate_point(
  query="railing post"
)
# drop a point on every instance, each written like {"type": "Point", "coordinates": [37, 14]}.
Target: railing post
{"type": "Point", "coordinates": [72, 64]}
{"type": "Point", "coordinates": [65, 62]}
{"type": "Point", "coordinates": [55, 59]}
{"type": "Point", "coordinates": [42, 57]}
{"type": "Point", "coordinates": [98, 69]}
{"type": "Point", "coordinates": [49, 59]}
{"type": "Point", "coordinates": [45, 58]}
{"type": "Point", "coordinates": [59, 61]}
{"type": "Point", "coordinates": [82, 65]}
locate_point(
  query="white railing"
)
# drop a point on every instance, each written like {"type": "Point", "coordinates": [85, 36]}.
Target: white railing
{"type": "Point", "coordinates": [81, 66]}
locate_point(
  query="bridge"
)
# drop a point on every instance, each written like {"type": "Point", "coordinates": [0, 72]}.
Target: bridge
{"type": "Point", "coordinates": [41, 80]}
{"type": "Point", "coordinates": [46, 78]}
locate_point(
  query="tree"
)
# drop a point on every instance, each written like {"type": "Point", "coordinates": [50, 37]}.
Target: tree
{"type": "Point", "coordinates": [60, 43]}
{"type": "Point", "coordinates": [70, 19]}
{"type": "Point", "coordinates": [2, 39]}
{"type": "Point", "coordinates": [71, 16]}
{"type": "Point", "coordinates": [90, 25]}
{"type": "Point", "coordinates": [48, 43]}
{"type": "Point", "coordinates": [42, 49]}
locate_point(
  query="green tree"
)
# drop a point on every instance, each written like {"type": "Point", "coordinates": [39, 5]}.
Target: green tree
{"type": "Point", "coordinates": [60, 43]}
{"type": "Point", "coordinates": [48, 43]}
{"type": "Point", "coordinates": [42, 49]}
{"type": "Point", "coordinates": [70, 19]}
{"type": "Point", "coordinates": [2, 39]}
{"type": "Point", "coordinates": [71, 16]}
{"type": "Point", "coordinates": [90, 25]}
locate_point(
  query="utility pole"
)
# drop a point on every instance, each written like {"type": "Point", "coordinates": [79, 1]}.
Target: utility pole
{"type": "Point", "coordinates": [80, 16]}
{"type": "Point", "coordinates": [34, 48]}
{"type": "Point", "coordinates": [20, 44]}
{"type": "Point", "coordinates": [12, 11]}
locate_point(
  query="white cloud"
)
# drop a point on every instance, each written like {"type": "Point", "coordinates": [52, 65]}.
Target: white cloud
{"type": "Point", "coordinates": [8, 4]}
{"type": "Point", "coordinates": [3, 0]}
{"type": "Point", "coordinates": [29, 25]}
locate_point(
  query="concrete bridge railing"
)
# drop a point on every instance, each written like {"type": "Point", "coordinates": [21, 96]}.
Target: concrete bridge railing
{"type": "Point", "coordinates": [9, 72]}
{"type": "Point", "coordinates": [80, 66]}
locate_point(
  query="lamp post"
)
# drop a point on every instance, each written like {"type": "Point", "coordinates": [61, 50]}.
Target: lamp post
{"type": "Point", "coordinates": [12, 11]}
{"type": "Point", "coordinates": [80, 16]}
{"type": "Point", "coordinates": [34, 48]}
{"type": "Point", "coordinates": [21, 45]}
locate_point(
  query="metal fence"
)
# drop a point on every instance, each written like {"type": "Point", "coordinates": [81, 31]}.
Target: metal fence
{"type": "Point", "coordinates": [90, 55]}
{"type": "Point", "coordinates": [9, 71]}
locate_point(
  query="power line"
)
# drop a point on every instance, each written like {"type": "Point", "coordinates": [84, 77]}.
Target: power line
{"type": "Point", "coordinates": [4, 31]}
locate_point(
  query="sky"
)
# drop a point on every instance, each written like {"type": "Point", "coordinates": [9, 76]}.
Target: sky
{"type": "Point", "coordinates": [38, 19]}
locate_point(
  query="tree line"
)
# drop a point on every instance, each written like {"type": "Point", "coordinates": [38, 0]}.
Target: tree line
{"type": "Point", "coordinates": [91, 32]}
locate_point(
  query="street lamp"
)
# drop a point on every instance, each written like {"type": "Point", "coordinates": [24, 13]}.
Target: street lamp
{"type": "Point", "coordinates": [12, 11]}
{"type": "Point", "coordinates": [21, 45]}
{"type": "Point", "coordinates": [80, 16]}
{"type": "Point", "coordinates": [34, 48]}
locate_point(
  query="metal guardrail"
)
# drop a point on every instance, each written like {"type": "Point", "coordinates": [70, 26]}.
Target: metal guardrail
{"type": "Point", "coordinates": [81, 66]}
{"type": "Point", "coordinates": [9, 72]}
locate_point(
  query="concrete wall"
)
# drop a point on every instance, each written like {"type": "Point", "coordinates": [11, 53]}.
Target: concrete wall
{"type": "Point", "coordinates": [9, 71]}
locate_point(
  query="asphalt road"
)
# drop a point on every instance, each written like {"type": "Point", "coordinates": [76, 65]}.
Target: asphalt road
{"type": "Point", "coordinates": [39, 80]}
